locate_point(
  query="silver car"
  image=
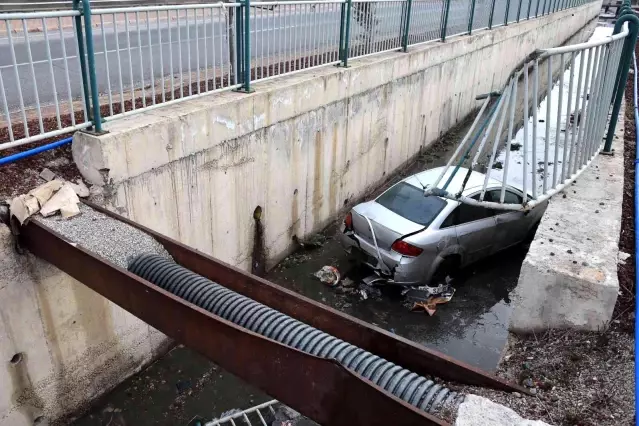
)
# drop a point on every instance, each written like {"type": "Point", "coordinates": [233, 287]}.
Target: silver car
{"type": "Point", "coordinates": [417, 240]}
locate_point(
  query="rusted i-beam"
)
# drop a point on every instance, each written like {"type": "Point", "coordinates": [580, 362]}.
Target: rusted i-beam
{"type": "Point", "coordinates": [393, 348]}
{"type": "Point", "coordinates": [319, 388]}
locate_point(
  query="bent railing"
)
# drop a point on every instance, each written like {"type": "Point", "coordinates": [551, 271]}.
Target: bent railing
{"type": "Point", "coordinates": [539, 146]}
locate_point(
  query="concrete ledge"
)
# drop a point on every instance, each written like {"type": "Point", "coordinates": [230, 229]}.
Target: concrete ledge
{"type": "Point", "coordinates": [569, 277]}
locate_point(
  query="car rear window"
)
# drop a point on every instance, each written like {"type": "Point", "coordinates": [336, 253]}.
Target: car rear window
{"type": "Point", "coordinates": [409, 202]}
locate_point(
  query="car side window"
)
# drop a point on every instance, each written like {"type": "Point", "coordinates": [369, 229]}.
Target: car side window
{"type": "Point", "coordinates": [509, 197]}
{"type": "Point", "coordinates": [465, 213]}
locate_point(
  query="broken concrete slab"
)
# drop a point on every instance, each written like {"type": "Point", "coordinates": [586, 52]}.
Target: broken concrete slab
{"type": "Point", "coordinates": [45, 191]}
{"type": "Point", "coordinates": [23, 206]}
{"type": "Point", "coordinates": [477, 410]}
{"type": "Point", "coordinates": [569, 276]}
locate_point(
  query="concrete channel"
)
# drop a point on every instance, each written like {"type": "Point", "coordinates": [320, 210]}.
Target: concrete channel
{"type": "Point", "coordinates": [472, 328]}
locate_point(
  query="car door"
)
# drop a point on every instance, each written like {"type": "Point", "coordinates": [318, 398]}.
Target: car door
{"type": "Point", "coordinates": [511, 226]}
{"type": "Point", "coordinates": [475, 228]}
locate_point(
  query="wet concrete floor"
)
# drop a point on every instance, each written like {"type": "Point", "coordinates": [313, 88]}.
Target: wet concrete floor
{"type": "Point", "coordinates": [472, 327]}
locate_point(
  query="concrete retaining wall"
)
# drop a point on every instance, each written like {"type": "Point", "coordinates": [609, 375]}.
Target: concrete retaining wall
{"type": "Point", "coordinates": [61, 344]}
{"type": "Point", "coordinates": [301, 147]}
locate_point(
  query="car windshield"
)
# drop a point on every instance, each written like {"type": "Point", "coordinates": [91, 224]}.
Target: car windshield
{"type": "Point", "coordinates": [409, 202]}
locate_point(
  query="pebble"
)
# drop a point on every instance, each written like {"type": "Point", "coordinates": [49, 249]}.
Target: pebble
{"type": "Point", "coordinates": [516, 394]}
{"type": "Point", "coordinates": [528, 383]}
{"type": "Point", "coordinates": [554, 398]}
{"type": "Point", "coordinates": [105, 236]}
{"type": "Point", "coordinates": [533, 391]}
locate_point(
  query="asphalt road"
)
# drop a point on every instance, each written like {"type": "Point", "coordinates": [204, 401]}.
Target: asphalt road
{"type": "Point", "coordinates": [179, 50]}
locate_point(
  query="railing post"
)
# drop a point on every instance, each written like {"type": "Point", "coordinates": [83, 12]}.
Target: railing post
{"type": "Point", "coordinates": [507, 10]}
{"type": "Point", "coordinates": [492, 14]}
{"type": "Point", "coordinates": [471, 18]}
{"type": "Point", "coordinates": [519, 10]}
{"type": "Point", "coordinates": [445, 22]}
{"type": "Point", "coordinates": [346, 36]}
{"type": "Point", "coordinates": [622, 73]}
{"type": "Point", "coordinates": [246, 48]}
{"type": "Point", "coordinates": [239, 44]}
{"type": "Point", "coordinates": [88, 76]}
{"type": "Point", "coordinates": [537, 8]}
{"type": "Point", "coordinates": [529, 6]}
{"type": "Point", "coordinates": [409, 7]}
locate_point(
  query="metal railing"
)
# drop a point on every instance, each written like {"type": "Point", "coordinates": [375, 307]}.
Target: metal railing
{"type": "Point", "coordinates": [136, 58]}
{"type": "Point", "coordinates": [558, 139]}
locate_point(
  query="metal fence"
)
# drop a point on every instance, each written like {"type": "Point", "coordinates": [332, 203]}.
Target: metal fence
{"type": "Point", "coordinates": [558, 140]}
{"type": "Point", "coordinates": [61, 71]}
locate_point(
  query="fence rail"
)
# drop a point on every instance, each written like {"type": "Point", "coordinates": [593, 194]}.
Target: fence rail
{"type": "Point", "coordinates": [582, 83]}
{"type": "Point", "coordinates": [66, 70]}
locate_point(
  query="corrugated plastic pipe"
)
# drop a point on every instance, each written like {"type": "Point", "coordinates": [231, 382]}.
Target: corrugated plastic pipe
{"type": "Point", "coordinates": [416, 390]}
{"type": "Point", "coordinates": [20, 155]}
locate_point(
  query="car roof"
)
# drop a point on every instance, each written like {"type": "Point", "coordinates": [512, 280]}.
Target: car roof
{"type": "Point", "coordinates": [428, 177]}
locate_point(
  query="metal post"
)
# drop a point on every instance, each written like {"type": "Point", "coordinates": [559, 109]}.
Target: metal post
{"type": "Point", "coordinates": [239, 46]}
{"type": "Point", "coordinates": [247, 46]}
{"type": "Point", "coordinates": [342, 30]}
{"type": "Point", "coordinates": [445, 22]}
{"type": "Point", "coordinates": [519, 10]}
{"type": "Point", "coordinates": [472, 17]}
{"type": "Point", "coordinates": [507, 11]}
{"type": "Point", "coordinates": [88, 30]}
{"type": "Point", "coordinates": [409, 7]}
{"type": "Point", "coordinates": [622, 76]}
{"type": "Point", "coordinates": [347, 33]}
{"type": "Point", "coordinates": [83, 69]}
{"type": "Point", "coordinates": [492, 13]}
{"type": "Point", "coordinates": [529, 5]}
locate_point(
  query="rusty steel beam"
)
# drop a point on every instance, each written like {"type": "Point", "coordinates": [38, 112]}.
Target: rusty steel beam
{"type": "Point", "coordinates": [321, 389]}
{"type": "Point", "coordinates": [392, 347]}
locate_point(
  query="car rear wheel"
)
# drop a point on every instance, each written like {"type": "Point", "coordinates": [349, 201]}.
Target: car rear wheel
{"type": "Point", "coordinates": [448, 268]}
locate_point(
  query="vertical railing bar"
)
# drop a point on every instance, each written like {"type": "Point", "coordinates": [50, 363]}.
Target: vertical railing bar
{"type": "Point", "coordinates": [180, 69]}
{"type": "Point", "coordinates": [188, 50]}
{"type": "Point", "coordinates": [583, 120]}
{"type": "Point", "coordinates": [472, 16]}
{"type": "Point", "coordinates": [519, 10]}
{"type": "Point", "coordinates": [197, 49]}
{"type": "Point", "coordinates": [120, 73]}
{"type": "Point", "coordinates": [547, 137]}
{"type": "Point", "coordinates": [282, 29]}
{"type": "Point", "coordinates": [534, 127]}
{"type": "Point", "coordinates": [206, 50]}
{"type": "Point", "coordinates": [445, 23]}
{"type": "Point", "coordinates": [599, 113]}
{"type": "Point", "coordinates": [157, 17]}
{"type": "Point", "coordinates": [221, 34]}
{"type": "Point", "coordinates": [247, 45]}
{"type": "Point", "coordinates": [106, 64]}
{"type": "Point", "coordinates": [525, 128]}
{"type": "Point", "coordinates": [66, 71]}
{"type": "Point", "coordinates": [347, 33]}
{"type": "Point", "coordinates": [48, 51]}
{"type": "Point", "coordinates": [5, 107]}
{"type": "Point", "coordinates": [168, 18]}
{"type": "Point", "coordinates": [589, 106]}
{"type": "Point", "coordinates": [128, 46]}
{"type": "Point", "coordinates": [500, 128]}
{"type": "Point", "coordinates": [562, 68]}
{"type": "Point", "coordinates": [569, 107]}
{"type": "Point", "coordinates": [33, 77]}
{"type": "Point", "coordinates": [137, 25]}
{"type": "Point", "coordinates": [577, 115]}
{"type": "Point", "coordinates": [221, 18]}
{"type": "Point", "coordinates": [513, 100]}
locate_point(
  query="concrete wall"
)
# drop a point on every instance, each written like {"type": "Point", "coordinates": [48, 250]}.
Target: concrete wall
{"type": "Point", "coordinates": [61, 344]}
{"type": "Point", "coordinates": [302, 146]}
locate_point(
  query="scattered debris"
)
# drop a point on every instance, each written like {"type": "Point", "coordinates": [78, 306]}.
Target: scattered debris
{"type": "Point", "coordinates": [65, 201]}
{"type": "Point", "coordinates": [313, 242]}
{"type": "Point", "coordinates": [427, 298]}
{"type": "Point", "coordinates": [47, 175]}
{"type": "Point", "coordinates": [498, 165]}
{"type": "Point", "coordinates": [329, 275]}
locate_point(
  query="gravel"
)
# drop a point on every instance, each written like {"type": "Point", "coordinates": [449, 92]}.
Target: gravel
{"type": "Point", "coordinates": [113, 240]}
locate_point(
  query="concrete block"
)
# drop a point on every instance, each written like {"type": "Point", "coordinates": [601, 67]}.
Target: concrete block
{"type": "Point", "coordinates": [569, 276]}
{"type": "Point", "coordinates": [477, 410]}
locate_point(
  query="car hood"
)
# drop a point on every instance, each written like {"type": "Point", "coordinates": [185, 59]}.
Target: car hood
{"type": "Point", "coordinates": [388, 225]}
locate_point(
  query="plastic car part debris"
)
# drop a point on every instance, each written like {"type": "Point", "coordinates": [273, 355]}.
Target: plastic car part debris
{"type": "Point", "coordinates": [329, 275]}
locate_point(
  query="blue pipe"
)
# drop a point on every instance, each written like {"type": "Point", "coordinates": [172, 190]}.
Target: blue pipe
{"type": "Point", "coordinates": [634, 58]}
{"type": "Point", "coordinates": [15, 157]}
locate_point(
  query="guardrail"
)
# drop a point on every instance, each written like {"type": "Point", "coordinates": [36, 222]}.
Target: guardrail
{"type": "Point", "coordinates": [555, 145]}
{"type": "Point", "coordinates": [136, 58]}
